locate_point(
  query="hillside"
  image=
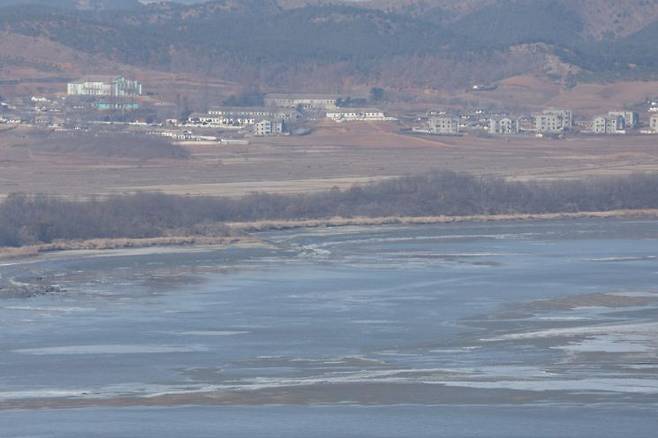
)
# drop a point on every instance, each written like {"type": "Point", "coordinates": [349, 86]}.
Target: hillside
{"type": "Point", "coordinates": [76, 4]}
{"type": "Point", "coordinates": [328, 45]}
{"type": "Point", "coordinates": [599, 17]}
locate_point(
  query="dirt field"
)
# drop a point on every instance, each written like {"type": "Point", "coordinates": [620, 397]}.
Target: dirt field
{"type": "Point", "coordinates": [334, 155]}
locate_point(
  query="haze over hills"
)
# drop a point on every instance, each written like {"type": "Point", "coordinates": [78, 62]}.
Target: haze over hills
{"type": "Point", "coordinates": [329, 45]}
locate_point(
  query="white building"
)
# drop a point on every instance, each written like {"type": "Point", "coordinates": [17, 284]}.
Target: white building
{"type": "Point", "coordinates": [266, 128]}
{"type": "Point", "coordinates": [553, 121]}
{"type": "Point", "coordinates": [207, 121]}
{"type": "Point", "coordinates": [305, 101]}
{"type": "Point", "coordinates": [503, 126]}
{"type": "Point", "coordinates": [174, 135]}
{"type": "Point", "coordinates": [357, 115]}
{"type": "Point", "coordinates": [107, 86]}
{"type": "Point", "coordinates": [653, 123]}
{"type": "Point", "coordinates": [443, 125]}
{"type": "Point", "coordinates": [631, 119]}
{"type": "Point", "coordinates": [609, 125]}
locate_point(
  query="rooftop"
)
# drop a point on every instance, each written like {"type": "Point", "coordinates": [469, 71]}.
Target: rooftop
{"type": "Point", "coordinates": [300, 96]}
{"type": "Point", "coordinates": [356, 110]}
{"type": "Point", "coordinates": [247, 109]}
{"type": "Point", "coordinates": [96, 78]}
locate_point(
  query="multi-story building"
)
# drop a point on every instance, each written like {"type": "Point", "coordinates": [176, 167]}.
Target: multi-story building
{"type": "Point", "coordinates": [443, 125]}
{"type": "Point", "coordinates": [631, 119]}
{"type": "Point", "coordinates": [304, 101]}
{"type": "Point", "coordinates": [355, 115]}
{"type": "Point", "coordinates": [503, 126]}
{"type": "Point", "coordinates": [266, 128]}
{"type": "Point", "coordinates": [553, 121]}
{"type": "Point", "coordinates": [612, 124]}
{"type": "Point", "coordinates": [104, 86]}
{"type": "Point", "coordinates": [653, 123]}
{"type": "Point", "coordinates": [600, 125]}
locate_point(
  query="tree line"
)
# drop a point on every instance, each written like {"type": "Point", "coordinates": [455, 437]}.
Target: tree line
{"type": "Point", "coordinates": [33, 219]}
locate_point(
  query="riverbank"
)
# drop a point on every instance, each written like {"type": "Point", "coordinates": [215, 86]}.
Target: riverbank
{"type": "Point", "coordinates": [258, 226]}
{"type": "Point", "coordinates": [125, 243]}
{"type": "Point", "coordinates": [242, 230]}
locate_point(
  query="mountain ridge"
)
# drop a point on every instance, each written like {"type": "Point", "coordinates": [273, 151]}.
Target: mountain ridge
{"type": "Point", "coordinates": [329, 45]}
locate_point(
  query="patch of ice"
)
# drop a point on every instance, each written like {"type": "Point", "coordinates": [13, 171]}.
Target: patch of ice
{"type": "Point", "coordinates": [50, 309]}
{"type": "Point", "coordinates": [611, 344]}
{"type": "Point", "coordinates": [623, 385]}
{"type": "Point", "coordinates": [112, 349]}
{"type": "Point", "coordinates": [213, 333]}
{"type": "Point", "coordinates": [639, 328]}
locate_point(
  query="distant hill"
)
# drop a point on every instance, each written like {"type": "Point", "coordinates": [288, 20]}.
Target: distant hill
{"type": "Point", "coordinates": [76, 4]}
{"type": "Point", "coordinates": [599, 17]}
{"type": "Point", "coordinates": [328, 44]}
{"type": "Point", "coordinates": [504, 24]}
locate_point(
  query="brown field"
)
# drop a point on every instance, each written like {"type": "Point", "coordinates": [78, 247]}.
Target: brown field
{"type": "Point", "coordinates": [332, 156]}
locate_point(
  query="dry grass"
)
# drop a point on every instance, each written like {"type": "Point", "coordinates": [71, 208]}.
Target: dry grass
{"type": "Point", "coordinates": [426, 220]}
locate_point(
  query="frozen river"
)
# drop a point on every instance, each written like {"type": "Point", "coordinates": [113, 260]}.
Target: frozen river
{"type": "Point", "coordinates": [504, 330]}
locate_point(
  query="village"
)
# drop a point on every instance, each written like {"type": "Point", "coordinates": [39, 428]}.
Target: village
{"type": "Point", "coordinates": [117, 102]}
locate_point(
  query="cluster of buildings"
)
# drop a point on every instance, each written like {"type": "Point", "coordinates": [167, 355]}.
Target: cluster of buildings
{"type": "Point", "coordinates": [87, 101]}
{"type": "Point", "coordinates": [260, 121]}
{"type": "Point", "coordinates": [281, 113]}
{"type": "Point", "coordinates": [263, 121]}
{"type": "Point", "coordinates": [96, 99]}
{"type": "Point", "coordinates": [549, 122]}
{"type": "Point", "coordinates": [621, 122]}
{"type": "Point", "coordinates": [612, 123]}
{"type": "Point", "coordinates": [34, 111]}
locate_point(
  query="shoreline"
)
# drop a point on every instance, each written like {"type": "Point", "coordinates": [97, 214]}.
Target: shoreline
{"type": "Point", "coordinates": [274, 225]}
{"type": "Point", "coordinates": [107, 244]}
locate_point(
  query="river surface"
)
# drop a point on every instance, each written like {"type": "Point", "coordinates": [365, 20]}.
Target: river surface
{"type": "Point", "coordinates": [458, 330]}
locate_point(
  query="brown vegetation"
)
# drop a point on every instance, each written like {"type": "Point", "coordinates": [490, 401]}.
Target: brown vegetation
{"type": "Point", "coordinates": [33, 220]}
{"type": "Point", "coordinates": [258, 226]}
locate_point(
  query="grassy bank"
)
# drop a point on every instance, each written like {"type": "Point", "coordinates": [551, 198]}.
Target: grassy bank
{"type": "Point", "coordinates": [260, 226]}
{"type": "Point", "coordinates": [242, 237]}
